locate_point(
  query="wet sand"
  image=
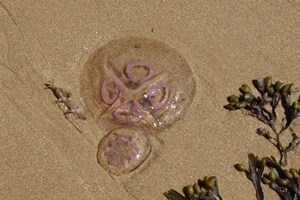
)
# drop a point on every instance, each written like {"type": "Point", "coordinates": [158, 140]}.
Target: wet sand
{"type": "Point", "coordinates": [225, 44]}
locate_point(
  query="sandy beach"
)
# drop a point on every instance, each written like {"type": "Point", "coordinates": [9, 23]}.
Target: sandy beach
{"type": "Point", "coordinates": [225, 44]}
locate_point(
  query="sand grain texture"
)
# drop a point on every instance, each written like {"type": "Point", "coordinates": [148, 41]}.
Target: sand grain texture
{"type": "Point", "coordinates": [226, 44]}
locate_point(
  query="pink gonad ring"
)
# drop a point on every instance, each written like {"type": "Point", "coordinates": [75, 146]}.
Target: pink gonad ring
{"type": "Point", "coordinates": [146, 64]}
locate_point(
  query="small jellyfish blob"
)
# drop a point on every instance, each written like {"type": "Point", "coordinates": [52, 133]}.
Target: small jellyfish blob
{"type": "Point", "coordinates": [137, 82]}
{"type": "Point", "coordinates": [123, 150]}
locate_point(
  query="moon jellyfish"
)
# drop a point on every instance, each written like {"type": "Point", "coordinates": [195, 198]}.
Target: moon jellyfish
{"type": "Point", "coordinates": [123, 150]}
{"type": "Point", "coordinates": [137, 82]}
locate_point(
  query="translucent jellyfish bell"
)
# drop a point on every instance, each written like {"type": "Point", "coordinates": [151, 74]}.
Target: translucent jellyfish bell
{"type": "Point", "coordinates": [137, 82]}
{"type": "Point", "coordinates": [123, 150]}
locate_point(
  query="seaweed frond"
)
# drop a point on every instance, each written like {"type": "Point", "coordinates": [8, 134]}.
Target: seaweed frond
{"type": "Point", "coordinates": [205, 189]}
{"type": "Point", "coordinates": [264, 108]}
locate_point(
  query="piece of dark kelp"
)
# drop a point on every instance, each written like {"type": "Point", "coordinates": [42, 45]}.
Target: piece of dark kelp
{"type": "Point", "coordinates": [206, 189]}
{"type": "Point", "coordinates": [285, 182]}
{"type": "Point", "coordinates": [254, 173]}
{"type": "Point", "coordinates": [264, 108]}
